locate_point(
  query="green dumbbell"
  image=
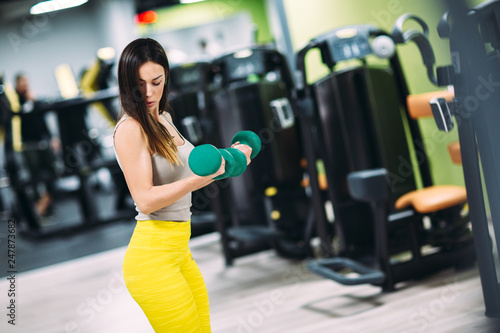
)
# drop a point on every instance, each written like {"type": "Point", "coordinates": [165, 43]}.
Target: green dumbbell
{"type": "Point", "coordinates": [206, 159]}
{"type": "Point", "coordinates": [250, 139]}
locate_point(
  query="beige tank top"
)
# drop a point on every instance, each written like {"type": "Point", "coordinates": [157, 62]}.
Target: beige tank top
{"type": "Point", "coordinates": [165, 173]}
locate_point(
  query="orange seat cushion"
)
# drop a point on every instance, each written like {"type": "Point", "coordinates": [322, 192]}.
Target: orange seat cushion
{"type": "Point", "coordinates": [418, 105]}
{"type": "Point", "coordinates": [433, 198]}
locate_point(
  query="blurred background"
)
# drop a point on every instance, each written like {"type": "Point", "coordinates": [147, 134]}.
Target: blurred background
{"type": "Point", "coordinates": [235, 65]}
{"type": "Point", "coordinates": [54, 50]}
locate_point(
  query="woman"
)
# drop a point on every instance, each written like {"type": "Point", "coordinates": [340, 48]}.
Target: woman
{"type": "Point", "coordinates": [159, 271]}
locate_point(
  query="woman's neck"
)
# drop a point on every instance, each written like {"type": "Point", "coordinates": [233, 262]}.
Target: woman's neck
{"type": "Point", "coordinates": [156, 114]}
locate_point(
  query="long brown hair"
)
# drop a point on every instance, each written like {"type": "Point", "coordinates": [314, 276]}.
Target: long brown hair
{"type": "Point", "coordinates": [133, 101]}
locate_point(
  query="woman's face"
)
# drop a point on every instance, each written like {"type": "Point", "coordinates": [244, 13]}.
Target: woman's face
{"type": "Point", "coordinates": [152, 82]}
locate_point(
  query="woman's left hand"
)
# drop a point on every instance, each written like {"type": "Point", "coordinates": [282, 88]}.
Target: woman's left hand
{"type": "Point", "coordinates": [245, 149]}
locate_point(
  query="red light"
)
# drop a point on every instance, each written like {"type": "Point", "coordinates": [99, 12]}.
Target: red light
{"type": "Point", "coordinates": [147, 17]}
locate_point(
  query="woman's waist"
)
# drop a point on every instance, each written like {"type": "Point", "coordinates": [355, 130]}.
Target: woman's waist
{"type": "Point", "coordinates": [170, 235]}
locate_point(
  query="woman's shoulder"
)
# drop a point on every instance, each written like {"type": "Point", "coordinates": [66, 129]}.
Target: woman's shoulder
{"type": "Point", "coordinates": [168, 115]}
{"type": "Point", "coordinates": [128, 127]}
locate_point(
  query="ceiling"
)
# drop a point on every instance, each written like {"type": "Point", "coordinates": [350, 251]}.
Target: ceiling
{"type": "Point", "coordinates": [15, 9]}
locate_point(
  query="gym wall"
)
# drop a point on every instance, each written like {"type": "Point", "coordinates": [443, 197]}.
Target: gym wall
{"type": "Point", "coordinates": [221, 25]}
{"type": "Point", "coordinates": [180, 17]}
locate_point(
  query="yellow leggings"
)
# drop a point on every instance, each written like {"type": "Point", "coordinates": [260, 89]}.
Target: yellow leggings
{"type": "Point", "coordinates": [163, 278]}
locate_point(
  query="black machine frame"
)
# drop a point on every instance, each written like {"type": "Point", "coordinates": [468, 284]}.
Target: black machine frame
{"type": "Point", "coordinates": [270, 183]}
{"type": "Point", "coordinates": [382, 214]}
{"type": "Point", "coordinates": [474, 41]}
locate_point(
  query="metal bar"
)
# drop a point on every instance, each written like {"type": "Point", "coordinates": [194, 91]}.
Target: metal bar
{"type": "Point", "coordinates": [482, 240]}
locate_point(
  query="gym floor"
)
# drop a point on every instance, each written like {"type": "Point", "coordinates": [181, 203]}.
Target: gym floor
{"type": "Point", "coordinates": [83, 291]}
{"type": "Point", "coordinates": [73, 283]}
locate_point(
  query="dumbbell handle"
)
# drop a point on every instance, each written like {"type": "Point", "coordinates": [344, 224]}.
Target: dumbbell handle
{"type": "Point", "coordinates": [247, 150]}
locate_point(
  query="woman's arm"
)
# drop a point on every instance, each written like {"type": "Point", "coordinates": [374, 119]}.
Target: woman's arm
{"type": "Point", "coordinates": [209, 181]}
{"type": "Point", "coordinates": [135, 159]}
